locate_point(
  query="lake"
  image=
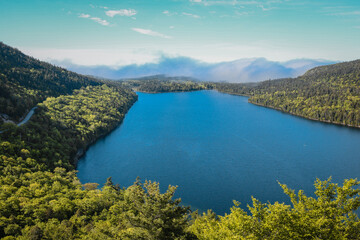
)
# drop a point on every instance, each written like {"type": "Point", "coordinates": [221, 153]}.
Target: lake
{"type": "Point", "coordinates": [218, 148]}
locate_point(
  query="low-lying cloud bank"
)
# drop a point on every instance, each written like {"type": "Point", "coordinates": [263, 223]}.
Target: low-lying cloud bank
{"type": "Point", "coordinates": [242, 70]}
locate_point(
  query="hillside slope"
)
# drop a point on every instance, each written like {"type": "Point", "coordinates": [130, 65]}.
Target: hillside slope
{"type": "Point", "coordinates": [40, 195]}
{"type": "Point", "coordinates": [162, 83]}
{"type": "Point", "coordinates": [328, 93]}
{"type": "Point", "coordinates": [25, 81]}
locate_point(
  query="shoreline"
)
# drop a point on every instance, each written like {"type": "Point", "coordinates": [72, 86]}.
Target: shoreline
{"type": "Point", "coordinates": [294, 114]}
{"type": "Point", "coordinates": [171, 91]}
{"type": "Point", "coordinates": [82, 151]}
{"type": "Point", "coordinates": [308, 118]}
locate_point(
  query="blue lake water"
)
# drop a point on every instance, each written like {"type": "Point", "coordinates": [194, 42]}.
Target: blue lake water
{"type": "Point", "coordinates": [218, 148]}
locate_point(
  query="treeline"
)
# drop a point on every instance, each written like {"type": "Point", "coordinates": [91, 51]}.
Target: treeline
{"type": "Point", "coordinates": [328, 93]}
{"type": "Point", "coordinates": [41, 197]}
{"type": "Point", "coordinates": [25, 81]}
{"type": "Point", "coordinates": [63, 125]}
{"type": "Point", "coordinates": [161, 84]}
{"type": "Point", "coordinates": [331, 215]}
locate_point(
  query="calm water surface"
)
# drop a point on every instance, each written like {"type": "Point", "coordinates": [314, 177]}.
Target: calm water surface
{"type": "Point", "coordinates": [218, 148]}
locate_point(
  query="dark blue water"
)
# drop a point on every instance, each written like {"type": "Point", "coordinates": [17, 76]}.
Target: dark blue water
{"type": "Point", "coordinates": [218, 147]}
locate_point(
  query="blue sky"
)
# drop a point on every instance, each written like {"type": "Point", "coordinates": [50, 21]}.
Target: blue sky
{"type": "Point", "coordinates": [121, 32]}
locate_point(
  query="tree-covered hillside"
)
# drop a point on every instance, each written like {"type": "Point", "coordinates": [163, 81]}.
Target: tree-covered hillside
{"type": "Point", "coordinates": [25, 81]}
{"type": "Point", "coordinates": [328, 93]}
{"type": "Point", "coordinates": [66, 124]}
{"type": "Point", "coordinates": [42, 198]}
{"type": "Point", "coordinates": [40, 195]}
{"type": "Point", "coordinates": [161, 84]}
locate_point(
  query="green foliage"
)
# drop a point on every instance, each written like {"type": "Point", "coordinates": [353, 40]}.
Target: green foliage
{"type": "Point", "coordinates": [25, 81]}
{"type": "Point", "coordinates": [331, 215]}
{"type": "Point", "coordinates": [328, 93]}
{"type": "Point", "coordinates": [161, 84]}
{"type": "Point", "coordinates": [41, 197]}
{"type": "Point", "coordinates": [63, 125]}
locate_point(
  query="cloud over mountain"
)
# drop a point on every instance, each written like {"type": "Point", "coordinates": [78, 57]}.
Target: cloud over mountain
{"type": "Point", "coordinates": [242, 70]}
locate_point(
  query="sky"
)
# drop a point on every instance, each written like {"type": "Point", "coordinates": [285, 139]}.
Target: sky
{"type": "Point", "coordinates": [121, 32]}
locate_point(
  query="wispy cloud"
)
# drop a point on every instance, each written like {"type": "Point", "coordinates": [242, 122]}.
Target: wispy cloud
{"type": "Point", "coordinates": [150, 33]}
{"type": "Point", "coordinates": [242, 13]}
{"type": "Point", "coordinates": [191, 15]}
{"type": "Point", "coordinates": [84, 15]}
{"type": "Point", "coordinates": [237, 14]}
{"type": "Point", "coordinates": [237, 2]}
{"type": "Point", "coordinates": [265, 9]}
{"type": "Point", "coordinates": [93, 6]}
{"type": "Point", "coordinates": [168, 13]}
{"type": "Point", "coordinates": [224, 2]}
{"type": "Point", "coordinates": [345, 13]}
{"type": "Point", "coordinates": [95, 19]}
{"type": "Point", "coordinates": [121, 12]}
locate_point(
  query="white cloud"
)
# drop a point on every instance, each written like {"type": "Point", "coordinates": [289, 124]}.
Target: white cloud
{"type": "Point", "coordinates": [95, 19]}
{"type": "Point", "coordinates": [121, 55]}
{"type": "Point", "coordinates": [121, 12]}
{"type": "Point", "coordinates": [84, 15]}
{"type": "Point", "coordinates": [168, 13]}
{"type": "Point", "coordinates": [224, 2]}
{"type": "Point", "coordinates": [100, 21]}
{"type": "Point", "coordinates": [171, 27]}
{"type": "Point", "coordinates": [150, 33]}
{"type": "Point", "coordinates": [191, 15]}
{"type": "Point", "coordinates": [265, 9]}
{"type": "Point", "coordinates": [242, 13]}
{"type": "Point", "coordinates": [113, 57]}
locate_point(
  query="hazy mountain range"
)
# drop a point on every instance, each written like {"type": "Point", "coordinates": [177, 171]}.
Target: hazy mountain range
{"type": "Point", "coordinates": [242, 70]}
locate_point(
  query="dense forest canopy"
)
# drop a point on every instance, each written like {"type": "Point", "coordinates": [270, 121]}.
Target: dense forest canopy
{"type": "Point", "coordinates": [161, 83]}
{"type": "Point", "coordinates": [25, 81]}
{"type": "Point", "coordinates": [42, 198]}
{"type": "Point", "coordinates": [328, 93]}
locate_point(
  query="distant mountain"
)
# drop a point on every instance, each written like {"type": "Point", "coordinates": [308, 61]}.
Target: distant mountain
{"type": "Point", "coordinates": [242, 70]}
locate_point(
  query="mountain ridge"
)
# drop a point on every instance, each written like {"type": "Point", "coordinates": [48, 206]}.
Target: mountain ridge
{"type": "Point", "coordinates": [240, 70]}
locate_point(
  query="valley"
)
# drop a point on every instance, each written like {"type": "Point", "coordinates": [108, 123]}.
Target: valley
{"type": "Point", "coordinates": [229, 143]}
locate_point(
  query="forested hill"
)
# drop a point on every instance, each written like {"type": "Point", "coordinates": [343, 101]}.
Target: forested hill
{"type": "Point", "coordinates": [328, 93]}
{"type": "Point", "coordinates": [41, 197]}
{"type": "Point", "coordinates": [338, 69]}
{"type": "Point", "coordinates": [26, 81]}
{"type": "Point", "coordinates": [162, 83]}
